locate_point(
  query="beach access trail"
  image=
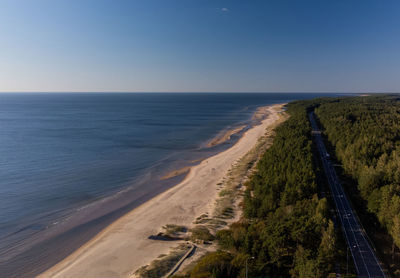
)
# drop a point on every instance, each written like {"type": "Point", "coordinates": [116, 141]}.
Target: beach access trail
{"type": "Point", "coordinates": [123, 246]}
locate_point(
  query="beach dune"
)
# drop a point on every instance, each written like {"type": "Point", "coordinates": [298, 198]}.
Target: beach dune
{"type": "Point", "coordinates": [124, 246]}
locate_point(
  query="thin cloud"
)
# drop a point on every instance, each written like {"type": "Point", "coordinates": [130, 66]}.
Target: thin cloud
{"type": "Point", "coordinates": [224, 10]}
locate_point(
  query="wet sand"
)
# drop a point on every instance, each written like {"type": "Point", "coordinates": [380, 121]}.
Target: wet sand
{"type": "Point", "coordinates": [219, 139]}
{"type": "Point", "coordinates": [124, 246]}
{"type": "Point", "coordinates": [176, 173]}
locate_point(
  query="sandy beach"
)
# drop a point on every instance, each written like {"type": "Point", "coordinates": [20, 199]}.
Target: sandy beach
{"type": "Point", "coordinates": [124, 246]}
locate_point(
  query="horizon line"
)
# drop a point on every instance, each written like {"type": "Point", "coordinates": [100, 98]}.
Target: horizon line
{"type": "Point", "coordinates": [202, 92]}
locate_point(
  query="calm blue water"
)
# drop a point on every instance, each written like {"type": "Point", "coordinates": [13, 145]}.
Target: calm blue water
{"type": "Point", "coordinates": [62, 153]}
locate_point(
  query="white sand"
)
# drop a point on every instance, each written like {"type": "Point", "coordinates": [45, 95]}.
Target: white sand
{"type": "Point", "coordinates": [123, 246]}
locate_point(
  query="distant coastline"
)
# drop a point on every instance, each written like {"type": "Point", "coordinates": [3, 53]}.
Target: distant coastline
{"type": "Point", "coordinates": [125, 244]}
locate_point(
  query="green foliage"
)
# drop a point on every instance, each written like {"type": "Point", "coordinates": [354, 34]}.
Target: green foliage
{"type": "Point", "coordinates": [201, 233]}
{"type": "Point", "coordinates": [286, 227]}
{"type": "Point", "coordinates": [395, 231]}
{"type": "Point", "coordinates": [365, 134]}
{"type": "Point", "coordinates": [172, 229]}
{"type": "Point", "coordinates": [215, 265]}
{"type": "Point", "coordinates": [304, 266]}
{"type": "Point", "coordinates": [327, 247]}
{"type": "Point", "coordinates": [163, 265]}
{"type": "Point", "coordinates": [225, 239]}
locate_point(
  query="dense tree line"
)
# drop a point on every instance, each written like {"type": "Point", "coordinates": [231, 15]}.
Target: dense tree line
{"type": "Point", "coordinates": [286, 230]}
{"type": "Point", "coordinates": [365, 132]}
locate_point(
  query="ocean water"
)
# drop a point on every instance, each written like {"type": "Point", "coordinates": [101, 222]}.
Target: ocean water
{"type": "Point", "coordinates": [72, 163]}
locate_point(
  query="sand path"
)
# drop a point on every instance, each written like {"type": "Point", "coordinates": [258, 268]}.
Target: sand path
{"type": "Point", "coordinates": [124, 246]}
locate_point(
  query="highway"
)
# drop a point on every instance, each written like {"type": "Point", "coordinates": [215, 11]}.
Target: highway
{"type": "Point", "coordinates": [365, 260]}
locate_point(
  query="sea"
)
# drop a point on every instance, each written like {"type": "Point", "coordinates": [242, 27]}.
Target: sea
{"type": "Point", "coordinates": [71, 163]}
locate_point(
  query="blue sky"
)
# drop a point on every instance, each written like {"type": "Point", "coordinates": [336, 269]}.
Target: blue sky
{"type": "Point", "coordinates": [200, 45]}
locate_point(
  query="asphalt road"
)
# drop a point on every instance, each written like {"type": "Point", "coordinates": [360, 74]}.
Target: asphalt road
{"type": "Point", "coordinates": [365, 260]}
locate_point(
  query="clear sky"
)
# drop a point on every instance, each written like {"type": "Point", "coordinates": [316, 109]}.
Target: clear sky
{"type": "Point", "coordinates": [200, 45]}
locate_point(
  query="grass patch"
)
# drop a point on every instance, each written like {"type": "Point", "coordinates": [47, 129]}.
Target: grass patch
{"type": "Point", "coordinates": [201, 219]}
{"type": "Point", "coordinates": [201, 233]}
{"type": "Point", "coordinates": [172, 229]}
{"type": "Point", "coordinates": [225, 192]}
{"type": "Point", "coordinates": [224, 208]}
{"type": "Point", "coordinates": [217, 222]}
{"type": "Point", "coordinates": [162, 266]}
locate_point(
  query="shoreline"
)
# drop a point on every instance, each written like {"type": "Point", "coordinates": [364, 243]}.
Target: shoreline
{"type": "Point", "coordinates": [224, 136]}
{"type": "Point", "coordinates": [114, 253]}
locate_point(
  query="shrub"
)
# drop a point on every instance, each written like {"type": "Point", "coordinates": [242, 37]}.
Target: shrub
{"type": "Point", "coordinates": [201, 233]}
{"type": "Point", "coordinates": [216, 264]}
